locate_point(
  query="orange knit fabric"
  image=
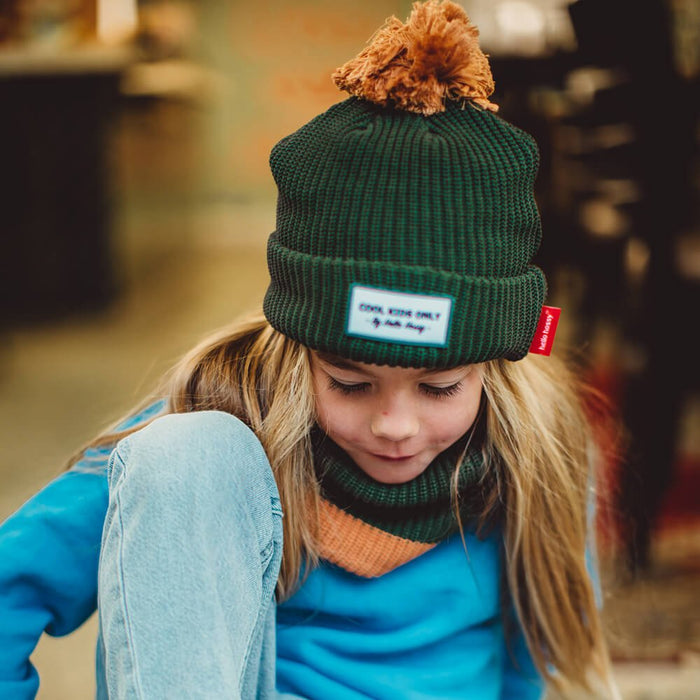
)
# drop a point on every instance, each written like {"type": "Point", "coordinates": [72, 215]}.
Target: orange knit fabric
{"type": "Point", "coordinates": [359, 547]}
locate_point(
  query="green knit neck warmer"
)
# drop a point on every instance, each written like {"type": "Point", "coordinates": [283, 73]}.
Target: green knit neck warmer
{"type": "Point", "coordinates": [419, 510]}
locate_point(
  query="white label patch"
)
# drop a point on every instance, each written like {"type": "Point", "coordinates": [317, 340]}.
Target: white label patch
{"type": "Point", "coordinates": [398, 317]}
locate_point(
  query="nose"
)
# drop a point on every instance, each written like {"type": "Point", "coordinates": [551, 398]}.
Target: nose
{"type": "Point", "coordinates": [395, 423]}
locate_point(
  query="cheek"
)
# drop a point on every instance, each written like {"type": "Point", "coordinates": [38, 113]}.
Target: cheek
{"type": "Point", "coordinates": [322, 401]}
{"type": "Point", "coordinates": [323, 407]}
{"type": "Point", "coordinates": [454, 425]}
{"type": "Point", "coordinates": [453, 420]}
{"type": "Point", "coordinates": [332, 412]}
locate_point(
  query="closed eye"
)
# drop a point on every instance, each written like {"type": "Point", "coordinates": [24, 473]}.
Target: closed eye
{"type": "Point", "coordinates": [347, 389]}
{"type": "Point", "coordinates": [441, 392]}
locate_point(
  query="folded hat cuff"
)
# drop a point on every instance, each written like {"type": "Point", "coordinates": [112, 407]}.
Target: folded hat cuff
{"type": "Point", "coordinates": [489, 317]}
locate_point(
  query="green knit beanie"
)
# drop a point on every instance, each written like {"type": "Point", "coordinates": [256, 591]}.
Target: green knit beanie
{"type": "Point", "coordinates": [406, 218]}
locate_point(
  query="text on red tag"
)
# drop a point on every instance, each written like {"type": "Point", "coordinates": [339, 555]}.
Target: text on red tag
{"type": "Point", "coordinates": [546, 328]}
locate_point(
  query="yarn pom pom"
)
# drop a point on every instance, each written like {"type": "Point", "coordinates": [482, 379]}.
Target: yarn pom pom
{"type": "Point", "coordinates": [416, 66]}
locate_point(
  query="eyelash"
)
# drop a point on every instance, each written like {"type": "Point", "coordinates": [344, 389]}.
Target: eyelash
{"type": "Point", "coordinates": [441, 392]}
{"type": "Point", "coordinates": [434, 392]}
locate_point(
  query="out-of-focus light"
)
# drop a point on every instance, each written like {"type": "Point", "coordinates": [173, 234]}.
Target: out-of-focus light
{"type": "Point", "coordinates": [116, 20]}
{"type": "Point", "coordinates": [688, 255]}
{"type": "Point", "coordinates": [522, 26]}
{"type": "Point", "coordinates": [601, 219]}
{"type": "Point", "coordinates": [583, 83]}
{"type": "Point", "coordinates": [637, 256]}
{"type": "Point", "coordinates": [517, 17]}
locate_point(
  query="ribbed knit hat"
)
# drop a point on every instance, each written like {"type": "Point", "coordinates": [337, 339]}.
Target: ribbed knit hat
{"type": "Point", "coordinates": [406, 218]}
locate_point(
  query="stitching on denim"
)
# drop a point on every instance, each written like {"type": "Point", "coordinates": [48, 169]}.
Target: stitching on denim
{"type": "Point", "coordinates": [263, 607]}
{"type": "Point", "coordinates": [266, 554]}
{"type": "Point", "coordinates": [276, 506]}
{"type": "Point", "coordinates": [122, 584]}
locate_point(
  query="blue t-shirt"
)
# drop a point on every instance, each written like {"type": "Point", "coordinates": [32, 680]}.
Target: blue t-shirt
{"type": "Point", "coordinates": [428, 630]}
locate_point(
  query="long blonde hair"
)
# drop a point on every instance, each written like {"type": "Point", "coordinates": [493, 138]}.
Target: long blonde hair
{"type": "Point", "coordinates": [538, 450]}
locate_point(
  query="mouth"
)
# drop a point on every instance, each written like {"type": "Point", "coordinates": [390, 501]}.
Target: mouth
{"type": "Point", "coordinates": [392, 458]}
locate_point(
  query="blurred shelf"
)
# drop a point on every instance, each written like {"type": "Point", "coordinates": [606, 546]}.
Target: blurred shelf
{"type": "Point", "coordinates": [26, 62]}
{"type": "Point", "coordinates": [172, 78]}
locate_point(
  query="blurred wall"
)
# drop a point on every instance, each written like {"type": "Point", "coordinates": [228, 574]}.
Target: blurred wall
{"type": "Point", "coordinates": [275, 59]}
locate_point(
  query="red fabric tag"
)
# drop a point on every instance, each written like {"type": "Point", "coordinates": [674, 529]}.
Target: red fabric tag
{"type": "Point", "coordinates": [546, 328]}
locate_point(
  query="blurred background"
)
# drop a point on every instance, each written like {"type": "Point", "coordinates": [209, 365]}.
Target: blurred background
{"type": "Point", "coordinates": [136, 200]}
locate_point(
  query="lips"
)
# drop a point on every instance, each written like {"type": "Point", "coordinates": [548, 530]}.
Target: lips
{"type": "Point", "coordinates": [392, 458]}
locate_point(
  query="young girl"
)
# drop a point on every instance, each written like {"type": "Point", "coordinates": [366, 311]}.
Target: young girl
{"type": "Point", "coordinates": [370, 490]}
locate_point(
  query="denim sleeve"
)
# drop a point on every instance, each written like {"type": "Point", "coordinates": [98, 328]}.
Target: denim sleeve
{"type": "Point", "coordinates": [49, 553]}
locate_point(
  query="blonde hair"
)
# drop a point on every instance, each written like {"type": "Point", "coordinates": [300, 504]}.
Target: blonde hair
{"type": "Point", "coordinates": [540, 449]}
{"type": "Point", "coordinates": [537, 451]}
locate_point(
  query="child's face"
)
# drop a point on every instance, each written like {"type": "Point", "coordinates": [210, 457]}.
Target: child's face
{"type": "Point", "coordinates": [394, 421]}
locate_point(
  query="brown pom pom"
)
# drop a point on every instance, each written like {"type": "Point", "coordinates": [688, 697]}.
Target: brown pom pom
{"type": "Point", "coordinates": [416, 66]}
